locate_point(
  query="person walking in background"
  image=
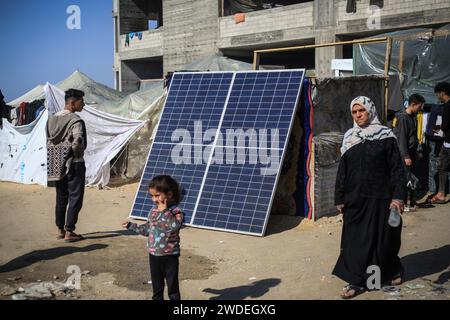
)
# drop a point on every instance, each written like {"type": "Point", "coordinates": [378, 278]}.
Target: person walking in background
{"type": "Point", "coordinates": [434, 141]}
{"type": "Point", "coordinates": [66, 143]}
{"type": "Point", "coordinates": [406, 132]}
{"type": "Point", "coordinates": [442, 91]}
{"type": "Point", "coordinates": [370, 181]}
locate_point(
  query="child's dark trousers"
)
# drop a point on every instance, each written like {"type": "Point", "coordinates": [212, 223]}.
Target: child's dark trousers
{"type": "Point", "coordinates": [165, 267]}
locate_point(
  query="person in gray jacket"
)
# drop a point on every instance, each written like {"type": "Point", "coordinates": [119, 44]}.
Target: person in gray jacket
{"type": "Point", "coordinates": [406, 132]}
{"type": "Point", "coordinates": [66, 143]}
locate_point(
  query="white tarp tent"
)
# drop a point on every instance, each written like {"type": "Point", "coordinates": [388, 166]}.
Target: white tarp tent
{"type": "Point", "coordinates": [23, 152]}
{"type": "Point", "coordinates": [107, 134]}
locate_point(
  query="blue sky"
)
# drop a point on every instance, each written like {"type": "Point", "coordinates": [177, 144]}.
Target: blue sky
{"type": "Point", "coordinates": [38, 47]}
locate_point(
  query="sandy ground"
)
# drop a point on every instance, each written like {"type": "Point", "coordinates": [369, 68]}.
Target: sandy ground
{"type": "Point", "coordinates": [293, 261]}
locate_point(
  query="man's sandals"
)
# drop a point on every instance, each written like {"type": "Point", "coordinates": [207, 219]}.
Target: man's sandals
{"type": "Point", "coordinates": [72, 237]}
{"type": "Point", "coordinates": [436, 200]}
{"type": "Point", "coordinates": [61, 234]}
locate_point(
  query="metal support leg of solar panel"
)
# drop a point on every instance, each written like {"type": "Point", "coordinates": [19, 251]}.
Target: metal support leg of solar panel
{"type": "Point", "coordinates": [221, 192]}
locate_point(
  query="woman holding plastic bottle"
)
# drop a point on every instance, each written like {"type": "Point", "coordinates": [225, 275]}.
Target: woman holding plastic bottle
{"type": "Point", "coordinates": [370, 184]}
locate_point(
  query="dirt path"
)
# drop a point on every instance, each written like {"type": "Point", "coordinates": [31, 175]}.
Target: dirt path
{"type": "Point", "coordinates": [294, 260]}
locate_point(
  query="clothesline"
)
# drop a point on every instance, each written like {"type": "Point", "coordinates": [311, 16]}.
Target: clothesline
{"type": "Point", "coordinates": [131, 35]}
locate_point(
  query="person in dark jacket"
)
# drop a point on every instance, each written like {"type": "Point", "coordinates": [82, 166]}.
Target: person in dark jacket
{"type": "Point", "coordinates": [434, 141]}
{"type": "Point", "coordinates": [442, 91]}
{"type": "Point", "coordinates": [370, 181]}
{"type": "Point", "coordinates": [406, 132]}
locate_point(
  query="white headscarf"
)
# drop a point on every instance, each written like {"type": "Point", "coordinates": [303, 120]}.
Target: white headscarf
{"type": "Point", "coordinates": [374, 131]}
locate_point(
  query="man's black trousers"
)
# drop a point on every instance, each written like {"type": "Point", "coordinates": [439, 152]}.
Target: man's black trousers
{"type": "Point", "coordinates": [69, 197]}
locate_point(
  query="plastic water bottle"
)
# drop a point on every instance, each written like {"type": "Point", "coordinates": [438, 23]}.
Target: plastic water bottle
{"type": "Point", "coordinates": [394, 218]}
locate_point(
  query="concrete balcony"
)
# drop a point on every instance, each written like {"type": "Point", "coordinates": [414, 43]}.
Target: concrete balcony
{"type": "Point", "coordinates": [151, 45]}
{"type": "Point", "coordinates": [395, 14]}
{"type": "Point", "coordinates": [277, 25]}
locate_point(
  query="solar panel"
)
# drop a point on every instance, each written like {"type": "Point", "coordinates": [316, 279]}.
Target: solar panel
{"type": "Point", "coordinates": [237, 197]}
{"type": "Point", "coordinates": [230, 183]}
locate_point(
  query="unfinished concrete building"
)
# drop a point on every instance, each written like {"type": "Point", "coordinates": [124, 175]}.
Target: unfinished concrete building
{"type": "Point", "coordinates": [153, 37]}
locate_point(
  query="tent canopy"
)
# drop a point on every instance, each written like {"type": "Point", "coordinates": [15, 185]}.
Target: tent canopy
{"type": "Point", "coordinates": [95, 93]}
{"type": "Point", "coordinates": [36, 93]}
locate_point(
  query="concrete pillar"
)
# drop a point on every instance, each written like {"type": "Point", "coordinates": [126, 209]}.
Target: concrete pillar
{"type": "Point", "coordinates": [130, 82]}
{"type": "Point", "coordinates": [191, 30]}
{"type": "Point", "coordinates": [325, 12]}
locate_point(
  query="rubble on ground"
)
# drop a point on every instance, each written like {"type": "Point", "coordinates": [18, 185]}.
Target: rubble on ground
{"type": "Point", "coordinates": [43, 290]}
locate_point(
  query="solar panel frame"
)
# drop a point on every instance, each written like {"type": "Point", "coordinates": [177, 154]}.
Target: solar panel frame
{"type": "Point", "coordinates": [225, 107]}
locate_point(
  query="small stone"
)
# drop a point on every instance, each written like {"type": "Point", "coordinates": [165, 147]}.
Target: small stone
{"type": "Point", "coordinates": [19, 297]}
{"type": "Point", "coordinates": [38, 291]}
{"type": "Point", "coordinates": [7, 291]}
{"type": "Point", "coordinates": [15, 278]}
{"type": "Point", "coordinates": [252, 278]}
{"type": "Point", "coordinates": [55, 277]}
{"type": "Point", "coordinates": [415, 286]}
{"type": "Point", "coordinates": [85, 273]}
{"type": "Point", "coordinates": [21, 290]}
{"type": "Point", "coordinates": [329, 233]}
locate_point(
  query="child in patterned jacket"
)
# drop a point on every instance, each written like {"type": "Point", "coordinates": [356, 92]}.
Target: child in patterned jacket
{"type": "Point", "coordinates": [163, 231]}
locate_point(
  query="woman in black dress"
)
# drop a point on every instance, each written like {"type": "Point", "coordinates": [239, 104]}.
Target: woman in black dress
{"type": "Point", "coordinates": [370, 180]}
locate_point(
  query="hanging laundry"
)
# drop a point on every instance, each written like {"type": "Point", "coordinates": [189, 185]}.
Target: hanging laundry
{"type": "Point", "coordinates": [13, 116]}
{"type": "Point", "coordinates": [30, 111]}
{"type": "Point", "coordinates": [127, 40]}
{"type": "Point", "coordinates": [239, 18]}
{"type": "Point", "coordinates": [139, 34]}
{"type": "Point", "coordinates": [38, 112]}
{"type": "Point", "coordinates": [21, 113]}
{"type": "Point", "coordinates": [131, 35]}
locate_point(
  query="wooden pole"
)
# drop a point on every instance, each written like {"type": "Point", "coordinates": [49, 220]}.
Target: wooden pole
{"type": "Point", "coordinates": [387, 66]}
{"type": "Point", "coordinates": [256, 58]}
{"type": "Point", "coordinates": [401, 56]}
{"type": "Point", "coordinates": [331, 44]}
